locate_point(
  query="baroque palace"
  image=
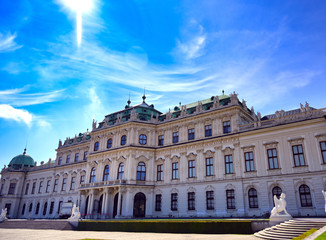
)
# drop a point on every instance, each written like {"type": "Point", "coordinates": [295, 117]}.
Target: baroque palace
{"type": "Point", "coordinates": [212, 158]}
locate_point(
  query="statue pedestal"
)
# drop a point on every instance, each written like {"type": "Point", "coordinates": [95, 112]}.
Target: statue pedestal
{"type": "Point", "coordinates": [279, 218]}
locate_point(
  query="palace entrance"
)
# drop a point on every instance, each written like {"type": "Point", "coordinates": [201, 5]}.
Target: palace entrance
{"type": "Point", "coordinates": [139, 205]}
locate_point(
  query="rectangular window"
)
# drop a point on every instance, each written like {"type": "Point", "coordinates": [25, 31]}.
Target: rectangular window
{"type": "Point", "coordinates": [174, 201]}
{"type": "Point", "coordinates": [64, 183]}
{"type": "Point", "coordinates": [82, 179]}
{"type": "Point", "coordinates": [12, 187]}
{"type": "Point", "coordinates": [209, 167]}
{"type": "Point", "coordinates": [230, 200]}
{"type": "Point", "coordinates": [249, 161]}
{"type": "Point", "coordinates": [68, 159]}
{"type": "Point", "coordinates": [72, 185]}
{"type": "Point", "coordinates": [161, 140]}
{"type": "Point", "coordinates": [158, 202]}
{"type": "Point", "coordinates": [209, 200]}
{"type": "Point", "coordinates": [26, 189]}
{"type": "Point", "coordinates": [298, 156]}
{"type": "Point", "coordinates": [85, 155]}
{"type": "Point", "coordinates": [76, 157]}
{"type": "Point", "coordinates": [51, 207]}
{"type": "Point", "coordinates": [175, 170]}
{"type": "Point", "coordinates": [226, 127]}
{"type": "Point", "coordinates": [191, 134]}
{"type": "Point", "coordinates": [272, 158]}
{"type": "Point", "coordinates": [55, 187]}
{"type": "Point", "coordinates": [323, 150]}
{"type": "Point", "coordinates": [48, 186]}
{"type": "Point", "coordinates": [228, 164]}
{"type": "Point", "coordinates": [208, 130]}
{"type": "Point", "coordinates": [191, 201]}
{"type": "Point", "coordinates": [60, 161]}
{"type": "Point", "coordinates": [191, 169]}
{"type": "Point", "coordinates": [33, 187]}
{"type": "Point", "coordinates": [40, 187]}
{"type": "Point", "coordinates": [160, 172]}
{"type": "Point", "coordinates": [175, 137]}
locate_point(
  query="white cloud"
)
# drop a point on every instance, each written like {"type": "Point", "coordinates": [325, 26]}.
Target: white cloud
{"type": "Point", "coordinates": [15, 97]}
{"type": "Point", "coordinates": [192, 48]}
{"type": "Point", "coordinates": [19, 115]}
{"type": "Point", "coordinates": [7, 43]}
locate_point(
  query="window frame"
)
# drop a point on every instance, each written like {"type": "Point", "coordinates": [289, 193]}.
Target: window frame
{"type": "Point", "coordinates": [142, 139]}
{"type": "Point", "coordinates": [141, 172]}
{"type": "Point", "coordinates": [12, 188]}
{"type": "Point", "coordinates": [209, 166]}
{"type": "Point", "coordinates": [121, 171]}
{"type": "Point", "coordinates": [272, 158]}
{"type": "Point", "coordinates": [249, 161]}
{"type": "Point", "coordinates": [174, 201]}
{"type": "Point", "coordinates": [85, 155]}
{"type": "Point", "coordinates": [191, 134]}
{"type": "Point", "coordinates": [68, 159]}
{"type": "Point", "coordinates": [210, 200]}
{"type": "Point", "coordinates": [48, 185]}
{"type": "Point", "coordinates": [76, 157]}
{"type": "Point", "coordinates": [208, 130]}
{"type": "Point", "coordinates": [230, 199]}
{"type": "Point", "coordinates": [191, 201]}
{"type": "Point", "coordinates": [175, 137]}
{"type": "Point", "coordinates": [40, 187]}
{"type": "Point", "coordinates": [96, 146]}
{"type": "Point", "coordinates": [323, 150]}
{"type": "Point", "coordinates": [298, 155]}
{"type": "Point", "coordinates": [92, 175]}
{"type": "Point", "coordinates": [228, 160]}
{"type": "Point", "coordinates": [227, 127]}
{"type": "Point", "coordinates": [175, 170]}
{"type": "Point", "coordinates": [64, 185]}
{"type": "Point", "coordinates": [191, 169]}
{"type": "Point", "coordinates": [60, 161]}
{"type": "Point", "coordinates": [106, 173]}
{"type": "Point", "coordinates": [109, 143]}
{"type": "Point", "coordinates": [305, 196]}
{"type": "Point", "coordinates": [253, 198]}
{"type": "Point", "coordinates": [55, 185]}
{"type": "Point", "coordinates": [158, 202]}
{"type": "Point", "coordinates": [161, 140]}
{"type": "Point", "coordinates": [26, 188]}
{"type": "Point", "coordinates": [123, 140]}
{"type": "Point", "coordinates": [159, 176]}
{"type": "Point", "coordinates": [73, 183]}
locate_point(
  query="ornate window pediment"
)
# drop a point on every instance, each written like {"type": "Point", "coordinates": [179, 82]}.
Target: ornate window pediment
{"type": "Point", "coordinates": [272, 144]}
{"type": "Point", "coordinates": [229, 186]}
{"type": "Point", "coordinates": [191, 156]}
{"type": "Point", "coordinates": [122, 159]}
{"type": "Point", "coordinates": [174, 190]}
{"type": "Point", "coordinates": [175, 158]}
{"type": "Point", "coordinates": [209, 153]}
{"type": "Point", "coordinates": [228, 150]}
{"type": "Point", "coordinates": [294, 141]}
{"type": "Point", "coordinates": [160, 159]}
{"type": "Point", "coordinates": [321, 137]}
{"type": "Point", "coordinates": [209, 188]}
{"type": "Point", "coordinates": [248, 148]}
{"type": "Point", "coordinates": [142, 158]}
{"type": "Point", "coordinates": [191, 189]}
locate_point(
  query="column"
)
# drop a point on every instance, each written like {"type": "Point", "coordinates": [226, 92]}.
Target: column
{"type": "Point", "coordinates": [119, 204]}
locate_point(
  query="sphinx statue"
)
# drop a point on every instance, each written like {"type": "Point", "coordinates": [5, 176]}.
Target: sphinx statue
{"type": "Point", "coordinates": [280, 206]}
{"type": "Point", "coordinates": [3, 215]}
{"type": "Point", "coordinates": [75, 216]}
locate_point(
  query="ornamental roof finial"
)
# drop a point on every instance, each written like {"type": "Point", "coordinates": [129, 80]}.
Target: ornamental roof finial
{"type": "Point", "coordinates": [129, 100]}
{"type": "Point", "coordinates": [144, 97]}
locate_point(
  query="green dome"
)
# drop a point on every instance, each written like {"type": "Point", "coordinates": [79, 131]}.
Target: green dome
{"type": "Point", "coordinates": [22, 160]}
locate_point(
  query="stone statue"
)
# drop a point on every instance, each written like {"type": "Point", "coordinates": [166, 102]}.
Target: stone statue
{"type": "Point", "coordinates": [324, 193]}
{"type": "Point", "coordinates": [280, 206]}
{"type": "Point", "coordinates": [3, 215]}
{"type": "Point", "coordinates": [75, 216]}
{"type": "Point", "coordinates": [94, 124]}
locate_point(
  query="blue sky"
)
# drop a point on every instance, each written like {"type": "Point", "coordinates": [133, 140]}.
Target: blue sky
{"type": "Point", "coordinates": [270, 52]}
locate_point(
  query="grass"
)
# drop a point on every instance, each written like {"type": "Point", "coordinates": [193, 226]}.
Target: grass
{"type": "Point", "coordinates": [321, 237]}
{"type": "Point", "coordinates": [305, 234]}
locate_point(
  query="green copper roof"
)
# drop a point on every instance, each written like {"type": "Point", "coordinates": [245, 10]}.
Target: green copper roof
{"type": "Point", "coordinates": [22, 160]}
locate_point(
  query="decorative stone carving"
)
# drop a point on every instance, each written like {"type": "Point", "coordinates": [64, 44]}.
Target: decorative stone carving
{"type": "Point", "coordinates": [216, 102]}
{"type": "Point", "coordinates": [234, 98]}
{"type": "Point", "coordinates": [94, 124]}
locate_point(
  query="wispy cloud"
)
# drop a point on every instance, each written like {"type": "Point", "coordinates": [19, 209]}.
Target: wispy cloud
{"type": "Point", "coordinates": [19, 115]}
{"type": "Point", "coordinates": [7, 43]}
{"type": "Point", "coordinates": [16, 97]}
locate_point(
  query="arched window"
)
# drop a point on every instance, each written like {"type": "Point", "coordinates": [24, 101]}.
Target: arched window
{"type": "Point", "coordinates": [276, 191]}
{"type": "Point", "coordinates": [109, 144]}
{"type": "Point", "coordinates": [30, 207]}
{"type": "Point", "coordinates": [121, 170]}
{"type": "Point", "coordinates": [96, 146]}
{"type": "Point", "coordinates": [142, 139]}
{"type": "Point", "coordinates": [253, 198]}
{"type": "Point", "coordinates": [45, 208]}
{"type": "Point", "coordinates": [123, 140]}
{"type": "Point", "coordinates": [37, 208]}
{"type": "Point", "coordinates": [93, 175]}
{"type": "Point", "coordinates": [23, 210]}
{"type": "Point", "coordinates": [305, 197]}
{"type": "Point", "coordinates": [106, 173]}
{"type": "Point", "coordinates": [141, 172]}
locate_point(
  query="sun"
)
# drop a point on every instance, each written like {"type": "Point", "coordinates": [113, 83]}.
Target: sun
{"type": "Point", "coordinates": [80, 7]}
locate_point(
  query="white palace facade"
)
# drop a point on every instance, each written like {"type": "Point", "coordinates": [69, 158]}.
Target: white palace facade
{"type": "Point", "coordinates": [212, 158]}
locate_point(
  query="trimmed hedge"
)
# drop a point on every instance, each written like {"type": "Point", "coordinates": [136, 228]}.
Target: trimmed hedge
{"type": "Point", "coordinates": [170, 226]}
